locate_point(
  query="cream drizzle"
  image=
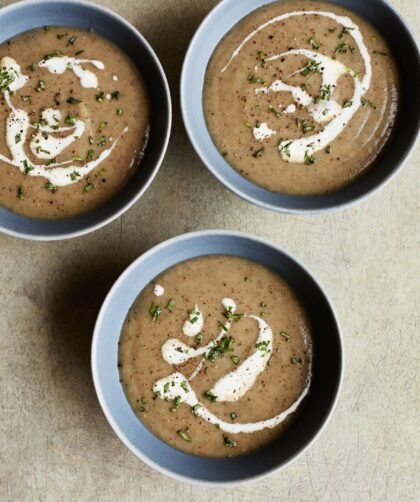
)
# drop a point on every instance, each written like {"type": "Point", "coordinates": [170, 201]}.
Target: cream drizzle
{"type": "Point", "coordinates": [262, 132]}
{"type": "Point", "coordinates": [18, 125]}
{"type": "Point", "coordinates": [230, 387]}
{"type": "Point", "coordinates": [297, 150]}
{"type": "Point", "coordinates": [158, 290]}
{"type": "Point", "coordinates": [59, 64]}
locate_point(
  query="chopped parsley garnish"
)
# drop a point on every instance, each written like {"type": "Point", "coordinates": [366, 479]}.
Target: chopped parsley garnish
{"type": "Point", "coordinates": [229, 314]}
{"type": "Point", "coordinates": [303, 87]}
{"type": "Point", "coordinates": [233, 415]}
{"type": "Point", "coordinates": [305, 126]}
{"type": "Point", "coordinates": [210, 396]}
{"type": "Point", "coordinates": [70, 119]}
{"type": "Point", "coordinates": [229, 442]}
{"type": "Point", "coordinates": [195, 409]}
{"type": "Point", "coordinates": [171, 304]}
{"type": "Point", "coordinates": [155, 312]}
{"type": "Point", "coordinates": [56, 54]}
{"type": "Point", "coordinates": [347, 104]}
{"type": "Point", "coordinates": [286, 148]}
{"type": "Point", "coordinates": [18, 138]}
{"type": "Point", "coordinates": [285, 335]}
{"type": "Point", "coordinates": [263, 347]}
{"type": "Point", "coordinates": [296, 360]}
{"type": "Point", "coordinates": [252, 79]}
{"type": "Point", "coordinates": [309, 159]}
{"type": "Point", "coordinates": [21, 192]}
{"type": "Point", "coordinates": [166, 387]}
{"type": "Point", "coordinates": [61, 35]}
{"type": "Point", "coordinates": [100, 97]}
{"type": "Point", "coordinates": [177, 403]}
{"type": "Point", "coordinates": [366, 102]}
{"type": "Point", "coordinates": [343, 48]}
{"type": "Point", "coordinates": [74, 101]}
{"type": "Point", "coordinates": [262, 56]}
{"type": "Point", "coordinates": [42, 150]}
{"type": "Point", "coordinates": [27, 167]}
{"type": "Point", "coordinates": [315, 44]}
{"type": "Point", "coordinates": [326, 92]}
{"type": "Point", "coordinates": [222, 346]}
{"type": "Point", "coordinates": [273, 110]}
{"type": "Point", "coordinates": [102, 126]}
{"type": "Point", "coordinates": [345, 31]}
{"type": "Point", "coordinates": [91, 140]}
{"type": "Point", "coordinates": [311, 67]}
{"type": "Point", "coordinates": [119, 111]}
{"type": "Point", "coordinates": [90, 155]}
{"type": "Point", "coordinates": [224, 328]}
{"type": "Point", "coordinates": [199, 339]}
{"type": "Point", "coordinates": [115, 95]}
{"type": "Point", "coordinates": [79, 52]}
{"type": "Point", "coordinates": [184, 386]}
{"type": "Point", "coordinates": [184, 435]}
{"type": "Point", "coordinates": [74, 175]}
{"type": "Point", "coordinates": [57, 98]}
{"type": "Point", "coordinates": [41, 86]}
{"type": "Point", "coordinates": [235, 359]}
{"type": "Point", "coordinates": [26, 99]}
{"type": "Point", "coordinates": [380, 53]}
{"type": "Point", "coordinates": [71, 40]}
{"type": "Point", "coordinates": [101, 141]}
{"type": "Point", "coordinates": [88, 187]}
{"type": "Point", "coordinates": [327, 149]}
{"type": "Point", "coordinates": [193, 316]}
{"type": "Point", "coordinates": [258, 153]}
{"type": "Point", "coordinates": [50, 186]}
{"type": "Point", "coordinates": [77, 158]}
{"type": "Point", "coordinates": [33, 67]}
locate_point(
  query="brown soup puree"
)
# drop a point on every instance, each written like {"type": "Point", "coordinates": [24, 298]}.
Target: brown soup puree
{"type": "Point", "coordinates": [307, 102]}
{"type": "Point", "coordinates": [215, 356]}
{"type": "Point", "coordinates": [74, 121]}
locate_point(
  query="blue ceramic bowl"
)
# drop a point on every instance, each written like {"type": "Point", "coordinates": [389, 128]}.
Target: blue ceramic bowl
{"type": "Point", "coordinates": [27, 15]}
{"type": "Point", "coordinates": [220, 20]}
{"type": "Point", "coordinates": [327, 361]}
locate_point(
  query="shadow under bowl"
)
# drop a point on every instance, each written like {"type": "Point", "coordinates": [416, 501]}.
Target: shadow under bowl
{"type": "Point", "coordinates": [403, 45]}
{"type": "Point", "coordinates": [314, 411]}
{"type": "Point", "coordinates": [27, 15]}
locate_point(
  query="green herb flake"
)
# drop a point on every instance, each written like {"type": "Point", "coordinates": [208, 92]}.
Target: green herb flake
{"type": "Point", "coordinates": [366, 102]}
{"type": "Point", "coordinates": [171, 304]}
{"type": "Point", "coordinates": [33, 67]}
{"type": "Point", "coordinates": [303, 87]}
{"type": "Point", "coordinates": [155, 312]}
{"type": "Point", "coordinates": [177, 403]}
{"type": "Point", "coordinates": [235, 359]}
{"type": "Point", "coordinates": [347, 104]}
{"type": "Point", "coordinates": [71, 40]}
{"type": "Point", "coordinates": [296, 360]}
{"type": "Point", "coordinates": [327, 149]}
{"type": "Point", "coordinates": [263, 347]}
{"type": "Point", "coordinates": [229, 442]}
{"type": "Point", "coordinates": [252, 79]}
{"type": "Point", "coordinates": [88, 187]}
{"type": "Point", "coordinates": [115, 95]}
{"type": "Point", "coordinates": [380, 53]}
{"type": "Point", "coordinates": [166, 387]}
{"type": "Point", "coordinates": [20, 192]}
{"type": "Point", "coordinates": [259, 152]}
{"type": "Point", "coordinates": [312, 67]}
{"type": "Point", "coordinates": [73, 101]}
{"type": "Point", "coordinates": [119, 112]}
{"type": "Point", "coordinates": [184, 386]}
{"type": "Point", "coordinates": [199, 339]}
{"type": "Point", "coordinates": [309, 159]}
{"type": "Point", "coordinates": [18, 138]}
{"type": "Point", "coordinates": [74, 175]}
{"type": "Point", "coordinates": [90, 155]}
{"type": "Point", "coordinates": [41, 86]}
{"type": "Point", "coordinates": [101, 141]}
{"type": "Point", "coordinates": [345, 31]}
{"type": "Point", "coordinates": [262, 56]}
{"type": "Point", "coordinates": [184, 435]}
{"type": "Point", "coordinates": [26, 99]}
{"type": "Point", "coordinates": [285, 335]}
{"type": "Point", "coordinates": [102, 126]}
{"type": "Point", "coordinates": [314, 43]}
{"type": "Point", "coordinates": [60, 36]}
{"type": "Point", "coordinates": [79, 52]}
{"type": "Point", "coordinates": [195, 409]}
{"type": "Point", "coordinates": [100, 97]}
{"type": "Point", "coordinates": [70, 119]}
{"type": "Point", "coordinates": [233, 415]}
{"type": "Point", "coordinates": [210, 396]}
{"type": "Point", "coordinates": [51, 187]}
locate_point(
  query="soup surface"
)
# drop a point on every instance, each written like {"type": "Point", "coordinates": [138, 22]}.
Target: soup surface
{"type": "Point", "coordinates": [215, 356]}
{"type": "Point", "coordinates": [74, 122]}
{"type": "Point", "coordinates": [301, 96]}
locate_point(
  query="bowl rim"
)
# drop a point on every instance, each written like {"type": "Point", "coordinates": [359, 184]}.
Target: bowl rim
{"type": "Point", "coordinates": [184, 98]}
{"type": "Point", "coordinates": [63, 235]}
{"type": "Point", "coordinates": [99, 328]}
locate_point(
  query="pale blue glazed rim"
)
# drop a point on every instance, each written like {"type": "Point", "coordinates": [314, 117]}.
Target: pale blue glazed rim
{"type": "Point", "coordinates": [29, 14]}
{"type": "Point", "coordinates": [402, 42]}
{"type": "Point", "coordinates": [328, 361]}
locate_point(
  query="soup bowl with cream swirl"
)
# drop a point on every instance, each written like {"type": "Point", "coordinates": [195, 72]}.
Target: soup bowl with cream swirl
{"type": "Point", "coordinates": [86, 121]}
{"type": "Point", "coordinates": [318, 400]}
{"type": "Point", "coordinates": [302, 106]}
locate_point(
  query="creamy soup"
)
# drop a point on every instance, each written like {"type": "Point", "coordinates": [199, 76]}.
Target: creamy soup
{"type": "Point", "coordinates": [74, 122]}
{"type": "Point", "coordinates": [215, 356]}
{"type": "Point", "coordinates": [301, 96]}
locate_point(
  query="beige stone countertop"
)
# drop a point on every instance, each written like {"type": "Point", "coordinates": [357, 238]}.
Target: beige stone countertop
{"type": "Point", "coordinates": [55, 443]}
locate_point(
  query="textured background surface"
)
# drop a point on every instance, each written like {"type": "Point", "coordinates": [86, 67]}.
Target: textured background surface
{"type": "Point", "coordinates": [54, 441]}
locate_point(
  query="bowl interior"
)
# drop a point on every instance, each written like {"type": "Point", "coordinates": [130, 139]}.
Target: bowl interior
{"type": "Point", "coordinates": [25, 16]}
{"type": "Point", "coordinates": [381, 15]}
{"type": "Point", "coordinates": [327, 360]}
